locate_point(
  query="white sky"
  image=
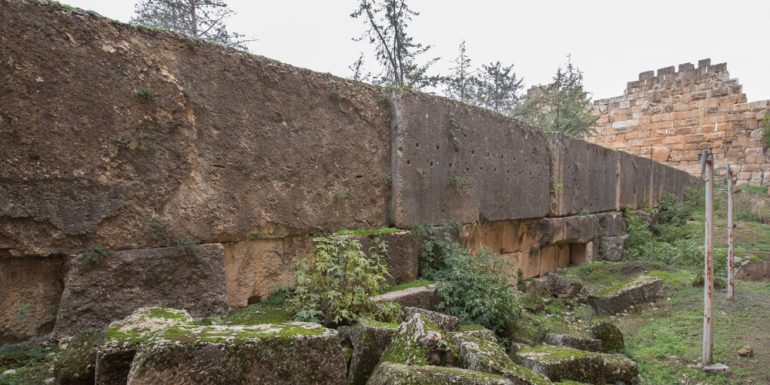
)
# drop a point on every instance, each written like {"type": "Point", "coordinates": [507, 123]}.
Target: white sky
{"type": "Point", "coordinates": [611, 41]}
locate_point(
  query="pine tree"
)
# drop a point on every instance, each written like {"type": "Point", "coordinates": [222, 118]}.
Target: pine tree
{"type": "Point", "coordinates": [199, 19]}
{"type": "Point", "coordinates": [395, 50]}
{"type": "Point", "coordinates": [497, 88]}
{"type": "Point", "coordinates": [561, 107]}
{"type": "Point", "coordinates": [459, 85]}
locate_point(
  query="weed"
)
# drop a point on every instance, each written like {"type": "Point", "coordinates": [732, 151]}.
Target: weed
{"type": "Point", "coordinates": [188, 247]}
{"type": "Point", "coordinates": [521, 284]}
{"type": "Point", "coordinates": [766, 130]}
{"type": "Point", "coordinates": [335, 95]}
{"type": "Point", "coordinates": [557, 188]}
{"type": "Point", "coordinates": [158, 228]}
{"type": "Point", "coordinates": [583, 212]}
{"type": "Point", "coordinates": [144, 92]}
{"type": "Point", "coordinates": [96, 255]}
{"type": "Point", "coordinates": [455, 183]}
{"type": "Point", "coordinates": [437, 242]}
{"type": "Point", "coordinates": [279, 296]}
{"type": "Point", "coordinates": [23, 318]}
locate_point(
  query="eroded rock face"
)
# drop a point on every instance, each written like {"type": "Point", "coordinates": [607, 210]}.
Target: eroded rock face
{"type": "Point", "coordinates": [286, 353]}
{"type": "Point", "coordinates": [369, 340]}
{"type": "Point", "coordinates": [443, 321]}
{"type": "Point", "coordinates": [124, 281]}
{"type": "Point", "coordinates": [610, 335]}
{"type": "Point", "coordinates": [620, 297]}
{"type": "Point", "coordinates": [389, 373]}
{"type": "Point", "coordinates": [487, 356]}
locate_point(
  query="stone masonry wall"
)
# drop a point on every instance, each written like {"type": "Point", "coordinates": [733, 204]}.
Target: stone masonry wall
{"type": "Point", "coordinates": [672, 115]}
{"type": "Point", "coordinates": [140, 167]}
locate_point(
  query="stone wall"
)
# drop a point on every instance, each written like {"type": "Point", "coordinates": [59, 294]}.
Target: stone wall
{"type": "Point", "coordinates": [192, 170]}
{"type": "Point", "coordinates": [672, 115]}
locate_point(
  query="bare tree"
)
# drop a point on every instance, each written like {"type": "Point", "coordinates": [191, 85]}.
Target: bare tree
{"type": "Point", "coordinates": [395, 50]}
{"type": "Point", "coordinates": [200, 19]}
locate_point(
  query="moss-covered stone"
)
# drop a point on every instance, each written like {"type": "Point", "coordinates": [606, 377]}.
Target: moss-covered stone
{"type": "Point", "coordinates": [443, 321]}
{"type": "Point", "coordinates": [590, 344]}
{"type": "Point", "coordinates": [418, 342]}
{"type": "Point", "coordinates": [257, 314]}
{"type": "Point", "coordinates": [528, 330]}
{"type": "Point", "coordinates": [389, 373]}
{"type": "Point", "coordinates": [562, 363]}
{"type": "Point", "coordinates": [621, 296]}
{"type": "Point", "coordinates": [610, 335]}
{"type": "Point", "coordinates": [76, 362]}
{"type": "Point", "coordinates": [487, 356]}
{"type": "Point", "coordinates": [369, 340]}
{"type": "Point", "coordinates": [286, 353]}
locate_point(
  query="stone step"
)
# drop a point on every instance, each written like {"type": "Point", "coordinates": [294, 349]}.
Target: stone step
{"type": "Point", "coordinates": [619, 298]}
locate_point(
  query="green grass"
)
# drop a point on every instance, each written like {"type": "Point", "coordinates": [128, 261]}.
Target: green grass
{"type": "Point", "coordinates": [258, 314]}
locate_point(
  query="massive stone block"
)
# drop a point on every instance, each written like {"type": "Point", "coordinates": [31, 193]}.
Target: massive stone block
{"type": "Point", "coordinates": [124, 281]}
{"type": "Point", "coordinates": [106, 126]}
{"type": "Point", "coordinates": [635, 190]}
{"type": "Point", "coordinates": [584, 177]}
{"type": "Point", "coordinates": [30, 289]}
{"type": "Point", "coordinates": [456, 162]}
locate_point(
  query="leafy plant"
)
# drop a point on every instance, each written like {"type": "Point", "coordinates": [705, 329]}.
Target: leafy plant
{"type": "Point", "coordinates": [766, 130]}
{"type": "Point", "coordinates": [95, 255]}
{"type": "Point", "coordinates": [335, 284]}
{"type": "Point", "coordinates": [188, 247]}
{"type": "Point", "coordinates": [438, 242]}
{"type": "Point", "coordinates": [278, 296]}
{"type": "Point", "coordinates": [455, 183]}
{"type": "Point", "coordinates": [669, 246]}
{"type": "Point", "coordinates": [158, 228]}
{"type": "Point", "coordinates": [144, 92]}
{"type": "Point", "coordinates": [477, 289]}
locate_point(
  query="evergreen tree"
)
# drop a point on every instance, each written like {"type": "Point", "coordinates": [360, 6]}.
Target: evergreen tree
{"type": "Point", "coordinates": [459, 85]}
{"type": "Point", "coordinates": [200, 19]}
{"type": "Point", "coordinates": [396, 51]}
{"type": "Point", "coordinates": [497, 88]}
{"type": "Point", "coordinates": [561, 107]}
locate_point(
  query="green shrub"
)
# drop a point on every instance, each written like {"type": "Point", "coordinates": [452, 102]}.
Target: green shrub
{"type": "Point", "coordinates": [673, 211]}
{"type": "Point", "coordinates": [95, 255]}
{"type": "Point", "coordinates": [144, 92]}
{"type": "Point", "coordinates": [477, 289]}
{"type": "Point", "coordinates": [278, 296]}
{"type": "Point", "coordinates": [335, 284]}
{"type": "Point", "coordinates": [437, 243]}
{"type": "Point", "coordinates": [670, 245]}
{"type": "Point", "coordinates": [188, 247]}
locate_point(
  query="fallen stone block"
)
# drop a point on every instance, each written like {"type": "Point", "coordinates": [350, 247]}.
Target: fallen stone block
{"type": "Point", "coordinates": [423, 297]}
{"type": "Point", "coordinates": [125, 337]}
{"type": "Point", "coordinates": [611, 248]}
{"type": "Point", "coordinates": [487, 356]}
{"type": "Point", "coordinates": [562, 287]}
{"type": "Point", "coordinates": [369, 340]}
{"type": "Point", "coordinates": [389, 373]}
{"type": "Point", "coordinates": [443, 321]}
{"type": "Point", "coordinates": [610, 336]}
{"type": "Point", "coordinates": [716, 369]}
{"type": "Point", "coordinates": [419, 342]}
{"type": "Point", "coordinates": [477, 331]}
{"type": "Point", "coordinates": [560, 363]}
{"type": "Point", "coordinates": [96, 294]}
{"type": "Point", "coordinates": [622, 296]}
{"type": "Point", "coordinates": [589, 344]}
{"type": "Point", "coordinates": [284, 353]}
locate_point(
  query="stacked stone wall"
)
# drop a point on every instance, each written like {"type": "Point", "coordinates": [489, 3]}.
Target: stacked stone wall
{"type": "Point", "coordinates": [673, 114]}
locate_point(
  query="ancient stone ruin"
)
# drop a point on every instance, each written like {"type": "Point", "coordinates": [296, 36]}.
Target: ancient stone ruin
{"type": "Point", "coordinates": [672, 115]}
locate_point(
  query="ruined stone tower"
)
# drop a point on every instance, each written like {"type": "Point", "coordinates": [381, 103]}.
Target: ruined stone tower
{"type": "Point", "coordinates": [671, 115]}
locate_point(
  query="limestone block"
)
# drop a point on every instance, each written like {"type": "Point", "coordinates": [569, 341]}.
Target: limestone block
{"type": "Point", "coordinates": [94, 295]}
{"type": "Point", "coordinates": [389, 373]}
{"type": "Point", "coordinates": [423, 297]}
{"type": "Point", "coordinates": [584, 177]}
{"type": "Point", "coordinates": [620, 297]}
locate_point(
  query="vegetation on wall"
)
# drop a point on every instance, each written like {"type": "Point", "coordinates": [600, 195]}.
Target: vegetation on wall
{"type": "Point", "coordinates": [766, 130]}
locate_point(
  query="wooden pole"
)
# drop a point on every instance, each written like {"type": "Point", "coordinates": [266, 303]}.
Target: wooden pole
{"type": "Point", "coordinates": [708, 273]}
{"type": "Point", "coordinates": [730, 237]}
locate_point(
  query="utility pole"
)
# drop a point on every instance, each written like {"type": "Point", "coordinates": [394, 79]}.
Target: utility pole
{"type": "Point", "coordinates": [730, 236]}
{"type": "Point", "coordinates": [707, 169]}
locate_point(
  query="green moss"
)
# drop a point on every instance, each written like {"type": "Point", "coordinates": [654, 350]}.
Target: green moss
{"type": "Point", "coordinates": [471, 327]}
{"type": "Point", "coordinates": [238, 334]}
{"type": "Point", "coordinates": [258, 314]}
{"type": "Point", "coordinates": [370, 231]}
{"type": "Point", "coordinates": [387, 325]}
{"type": "Point", "coordinates": [618, 287]}
{"type": "Point", "coordinates": [76, 361]}
{"type": "Point", "coordinates": [165, 313]}
{"type": "Point", "coordinates": [552, 353]}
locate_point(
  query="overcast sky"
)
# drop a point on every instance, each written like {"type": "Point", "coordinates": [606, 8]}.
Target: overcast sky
{"type": "Point", "coordinates": [611, 41]}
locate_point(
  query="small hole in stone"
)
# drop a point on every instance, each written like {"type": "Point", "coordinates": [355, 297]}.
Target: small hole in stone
{"type": "Point", "coordinates": [417, 144]}
{"type": "Point", "coordinates": [431, 163]}
{"type": "Point", "coordinates": [408, 162]}
{"type": "Point", "coordinates": [437, 147]}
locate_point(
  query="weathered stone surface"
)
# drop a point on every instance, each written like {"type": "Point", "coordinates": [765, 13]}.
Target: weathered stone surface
{"type": "Point", "coordinates": [716, 369]}
{"type": "Point", "coordinates": [635, 182]}
{"type": "Point", "coordinates": [124, 281]}
{"type": "Point", "coordinates": [254, 267]}
{"type": "Point", "coordinates": [286, 353]}
{"type": "Point", "coordinates": [611, 248]}
{"type": "Point", "coordinates": [610, 336]}
{"type": "Point", "coordinates": [87, 159]}
{"type": "Point", "coordinates": [389, 373]}
{"type": "Point", "coordinates": [560, 286]}
{"type": "Point", "coordinates": [584, 177]}
{"type": "Point", "coordinates": [76, 363]}
{"type": "Point", "coordinates": [126, 336]}
{"type": "Point", "coordinates": [457, 162]}
{"type": "Point", "coordinates": [402, 256]}
{"type": "Point", "coordinates": [487, 356]}
{"type": "Point", "coordinates": [754, 271]}
{"type": "Point", "coordinates": [369, 340]}
{"type": "Point", "coordinates": [620, 297]}
{"type": "Point", "coordinates": [30, 289]}
{"type": "Point", "coordinates": [423, 297]}
{"type": "Point", "coordinates": [443, 321]}
{"type": "Point", "coordinates": [562, 363]}
{"type": "Point", "coordinates": [419, 342]}
{"type": "Point", "coordinates": [588, 344]}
